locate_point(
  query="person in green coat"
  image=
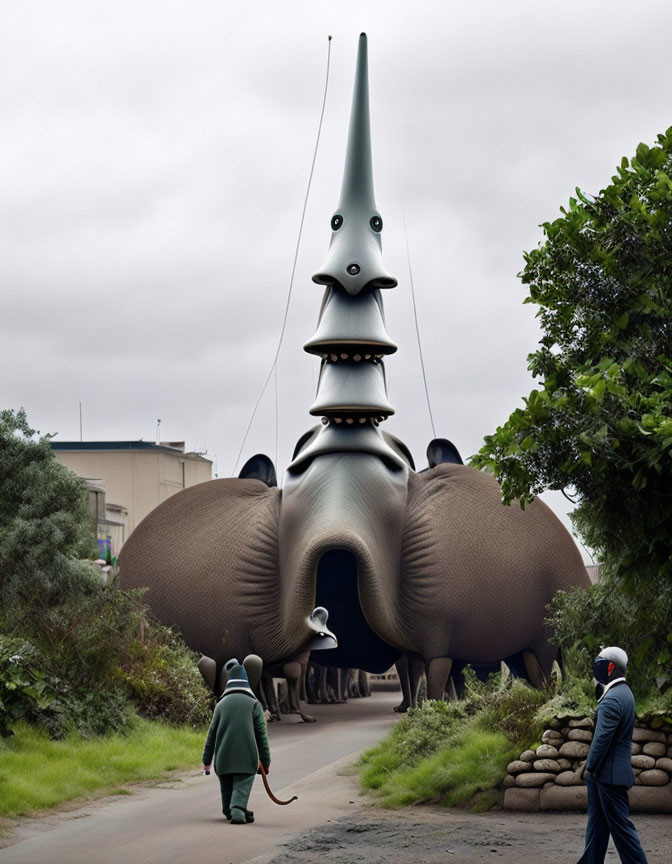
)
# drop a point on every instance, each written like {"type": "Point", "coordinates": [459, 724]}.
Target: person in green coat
{"type": "Point", "coordinates": [238, 741]}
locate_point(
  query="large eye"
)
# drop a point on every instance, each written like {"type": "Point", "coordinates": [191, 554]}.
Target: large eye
{"type": "Point", "coordinates": [376, 223]}
{"type": "Point", "coordinates": [336, 222]}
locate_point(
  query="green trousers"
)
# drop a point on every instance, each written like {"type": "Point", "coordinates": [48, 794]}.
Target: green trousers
{"type": "Point", "coordinates": [236, 790]}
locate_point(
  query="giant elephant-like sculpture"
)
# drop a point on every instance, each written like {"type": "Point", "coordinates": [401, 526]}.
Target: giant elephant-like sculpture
{"type": "Point", "coordinates": [429, 564]}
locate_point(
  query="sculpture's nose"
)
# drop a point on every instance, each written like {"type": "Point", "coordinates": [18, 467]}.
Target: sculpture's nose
{"type": "Point", "coordinates": [355, 260]}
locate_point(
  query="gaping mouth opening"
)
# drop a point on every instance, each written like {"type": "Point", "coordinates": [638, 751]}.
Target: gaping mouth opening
{"type": "Point", "coordinates": [359, 647]}
{"type": "Point", "coordinates": [376, 282]}
{"type": "Point", "coordinates": [382, 282]}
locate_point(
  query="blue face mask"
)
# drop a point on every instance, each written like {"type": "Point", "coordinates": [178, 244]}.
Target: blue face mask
{"type": "Point", "coordinates": [605, 670]}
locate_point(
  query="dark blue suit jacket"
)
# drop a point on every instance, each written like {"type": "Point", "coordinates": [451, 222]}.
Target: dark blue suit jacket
{"type": "Point", "coordinates": [609, 756]}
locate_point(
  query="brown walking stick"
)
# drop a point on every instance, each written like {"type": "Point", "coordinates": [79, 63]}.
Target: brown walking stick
{"type": "Point", "coordinates": [268, 789]}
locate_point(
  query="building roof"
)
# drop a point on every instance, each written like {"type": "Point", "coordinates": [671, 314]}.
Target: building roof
{"type": "Point", "coordinates": [176, 448]}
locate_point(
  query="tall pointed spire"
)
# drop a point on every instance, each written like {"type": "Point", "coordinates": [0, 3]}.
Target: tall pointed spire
{"type": "Point", "coordinates": [351, 337]}
{"type": "Point", "coordinates": [358, 173]}
{"type": "Point", "coordinates": [355, 257]}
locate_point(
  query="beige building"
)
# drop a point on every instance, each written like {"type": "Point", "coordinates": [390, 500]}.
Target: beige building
{"type": "Point", "coordinates": [135, 477]}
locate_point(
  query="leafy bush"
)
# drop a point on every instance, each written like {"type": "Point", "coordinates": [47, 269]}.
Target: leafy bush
{"type": "Point", "coordinates": [164, 680]}
{"type": "Point", "coordinates": [25, 692]}
{"type": "Point", "coordinates": [79, 655]}
{"type": "Point", "coordinates": [583, 621]}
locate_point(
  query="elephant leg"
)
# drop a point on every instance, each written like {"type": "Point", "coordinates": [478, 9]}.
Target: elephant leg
{"type": "Point", "coordinates": [539, 662]}
{"type": "Point", "coordinates": [322, 693]}
{"type": "Point", "coordinates": [208, 669]}
{"type": "Point", "coordinates": [271, 699]}
{"type": "Point", "coordinates": [416, 671]}
{"type": "Point", "coordinates": [451, 690]}
{"type": "Point", "coordinates": [534, 671]}
{"type": "Point", "coordinates": [342, 683]}
{"type": "Point", "coordinates": [404, 681]}
{"type": "Point", "coordinates": [336, 685]}
{"type": "Point", "coordinates": [311, 689]}
{"type": "Point", "coordinates": [345, 684]}
{"type": "Point", "coordinates": [364, 683]}
{"type": "Point", "coordinates": [516, 666]}
{"type": "Point", "coordinates": [293, 672]}
{"type": "Point", "coordinates": [438, 672]}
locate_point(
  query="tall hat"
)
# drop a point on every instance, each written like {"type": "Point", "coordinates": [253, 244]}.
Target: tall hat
{"type": "Point", "coordinates": [237, 681]}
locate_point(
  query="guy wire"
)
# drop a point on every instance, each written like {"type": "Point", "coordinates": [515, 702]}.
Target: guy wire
{"type": "Point", "coordinates": [291, 280]}
{"type": "Point", "coordinates": [415, 317]}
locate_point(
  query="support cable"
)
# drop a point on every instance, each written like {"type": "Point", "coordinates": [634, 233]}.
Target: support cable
{"type": "Point", "coordinates": [291, 280]}
{"type": "Point", "coordinates": [417, 329]}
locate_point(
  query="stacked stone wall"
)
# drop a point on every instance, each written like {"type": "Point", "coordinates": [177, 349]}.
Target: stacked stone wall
{"type": "Point", "coordinates": [549, 777]}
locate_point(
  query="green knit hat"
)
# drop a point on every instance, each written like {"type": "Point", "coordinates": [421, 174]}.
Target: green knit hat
{"type": "Point", "coordinates": [236, 681]}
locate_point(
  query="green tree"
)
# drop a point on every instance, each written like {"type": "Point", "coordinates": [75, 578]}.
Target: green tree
{"type": "Point", "coordinates": [599, 425]}
{"type": "Point", "coordinates": [44, 524]}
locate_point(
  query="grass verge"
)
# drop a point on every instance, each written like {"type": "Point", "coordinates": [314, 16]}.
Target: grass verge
{"type": "Point", "coordinates": [454, 753]}
{"type": "Point", "coordinates": [37, 773]}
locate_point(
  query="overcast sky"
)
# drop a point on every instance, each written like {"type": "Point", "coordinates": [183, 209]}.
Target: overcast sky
{"type": "Point", "coordinates": [153, 163]}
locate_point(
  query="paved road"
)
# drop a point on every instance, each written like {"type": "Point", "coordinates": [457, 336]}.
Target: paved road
{"type": "Point", "coordinates": [180, 820]}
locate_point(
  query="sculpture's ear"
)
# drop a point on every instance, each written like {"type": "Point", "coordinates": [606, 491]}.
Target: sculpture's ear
{"type": "Point", "coordinates": [442, 450]}
{"type": "Point", "coordinates": [398, 445]}
{"type": "Point", "coordinates": [259, 467]}
{"type": "Point", "coordinates": [304, 440]}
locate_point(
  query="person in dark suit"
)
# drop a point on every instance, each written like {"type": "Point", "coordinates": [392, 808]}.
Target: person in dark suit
{"type": "Point", "coordinates": [608, 772]}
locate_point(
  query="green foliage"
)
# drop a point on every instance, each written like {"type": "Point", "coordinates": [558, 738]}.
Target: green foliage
{"type": "Point", "coordinates": [600, 421]}
{"type": "Point", "coordinates": [38, 773]}
{"type": "Point", "coordinates": [584, 621]}
{"type": "Point", "coordinates": [453, 751]}
{"type": "Point", "coordinates": [164, 680]}
{"type": "Point", "coordinates": [24, 690]}
{"type": "Point", "coordinates": [474, 763]}
{"type": "Point", "coordinates": [92, 652]}
{"type": "Point", "coordinates": [43, 520]}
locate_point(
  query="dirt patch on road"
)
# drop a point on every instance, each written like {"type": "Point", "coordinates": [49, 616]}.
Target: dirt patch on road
{"type": "Point", "coordinates": [433, 835]}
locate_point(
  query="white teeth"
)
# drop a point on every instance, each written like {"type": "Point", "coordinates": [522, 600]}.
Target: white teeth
{"type": "Point", "coordinates": [338, 420]}
{"type": "Point", "coordinates": [362, 419]}
{"type": "Point", "coordinates": [357, 358]}
{"type": "Point", "coordinates": [349, 420]}
{"type": "Point", "coordinates": [344, 356]}
{"type": "Point", "coordinates": [367, 356]}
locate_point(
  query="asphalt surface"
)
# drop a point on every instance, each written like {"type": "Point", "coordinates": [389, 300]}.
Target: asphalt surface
{"type": "Point", "coordinates": [180, 820]}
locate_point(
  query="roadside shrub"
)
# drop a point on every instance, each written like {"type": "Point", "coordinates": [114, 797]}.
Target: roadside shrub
{"type": "Point", "coordinates": [164, 682]}
{"type": "Point", "coordinates": [25, 692]}
{"type": "Point", "coordinates": [513, 710]}
{"type": "Point", "coordinates": [455, 752]}
{"type": "Point", "coordinates": [473, 763]}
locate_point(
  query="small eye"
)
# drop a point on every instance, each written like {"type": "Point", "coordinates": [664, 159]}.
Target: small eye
{"type": "Point", "coordinates": [336, 222]}
{"type": "Point", "coordinates": [376, 223]}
